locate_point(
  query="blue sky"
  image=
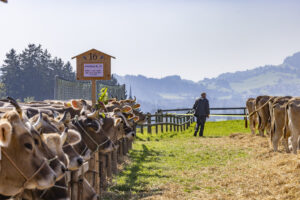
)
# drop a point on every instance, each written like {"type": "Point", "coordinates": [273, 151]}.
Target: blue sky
{"type": "Point", "coordinates": [193, 39]}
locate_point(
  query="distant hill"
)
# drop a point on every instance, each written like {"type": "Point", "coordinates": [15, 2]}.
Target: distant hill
{"type": "Point", "coordinates": [228, 89]}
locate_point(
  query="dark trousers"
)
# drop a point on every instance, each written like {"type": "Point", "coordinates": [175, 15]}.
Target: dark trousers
{"type": "Point", "coordinates": [200, 123]}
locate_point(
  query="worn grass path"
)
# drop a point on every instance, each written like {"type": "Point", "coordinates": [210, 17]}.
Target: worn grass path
{"type": "Point", "coordinates": [180, 166]}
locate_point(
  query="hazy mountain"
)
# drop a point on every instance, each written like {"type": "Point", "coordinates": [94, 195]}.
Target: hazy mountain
{"type": "Point", "coordinates": [228, 89]}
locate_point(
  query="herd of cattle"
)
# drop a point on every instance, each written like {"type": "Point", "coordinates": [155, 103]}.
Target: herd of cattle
{"type": "Point", "coordinates": [279, 117]}
{"type": "Point", "coordinates": [41, 141]}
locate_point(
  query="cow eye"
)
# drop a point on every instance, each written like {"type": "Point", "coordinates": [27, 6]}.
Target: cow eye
{"type": "Point", "coordinates": [28, 146]}
{"type": "Point", "coordinates": [36, 142]}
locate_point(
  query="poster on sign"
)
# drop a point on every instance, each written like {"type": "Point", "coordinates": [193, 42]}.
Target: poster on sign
{"type": "Point", "coordinates": [93, 70]}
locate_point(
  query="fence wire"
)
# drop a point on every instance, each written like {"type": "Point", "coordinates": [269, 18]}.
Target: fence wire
{"type": "Point", "coordinates": [65, 89]}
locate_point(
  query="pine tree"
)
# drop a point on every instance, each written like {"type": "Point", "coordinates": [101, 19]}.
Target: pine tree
{"type": "Point", "coordinates": [11, 74]}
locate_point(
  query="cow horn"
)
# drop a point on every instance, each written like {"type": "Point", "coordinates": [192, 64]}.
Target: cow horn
{"type": "Point", "coordinates": [64, 118]}
{"type": "Point", "coordinates": [15, 104]}
{"type": "Point", "coordinates": [124, 119]}
{"type": "Point", "coordinates": [93, 115]}
{"type": "Point", "coordinates": [134, 99]}
{"type": "Point", "coordinates": [38, 124]}
{"type": "Point", "coordinates": [92, 125]}
{"type": "Point", "coordinates": [54, 113]}
{"type": "Point", "coordinates": [83, 110]}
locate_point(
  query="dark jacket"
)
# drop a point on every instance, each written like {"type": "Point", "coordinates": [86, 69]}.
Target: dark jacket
{"type": "Point", "coordinates": [201, 107]}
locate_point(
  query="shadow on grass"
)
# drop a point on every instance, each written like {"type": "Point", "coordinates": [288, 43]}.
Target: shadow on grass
{"type": "Point", "coordinates": [136, 181]}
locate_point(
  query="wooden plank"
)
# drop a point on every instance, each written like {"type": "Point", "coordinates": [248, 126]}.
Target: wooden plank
{"type": "Point", "coordinates": [219, 108]}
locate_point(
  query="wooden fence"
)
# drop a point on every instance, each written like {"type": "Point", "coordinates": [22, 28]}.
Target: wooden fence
{"type": "Point", "coordinates": [98, 170]}
{"type": "Point", "coordinates": [178, 122]}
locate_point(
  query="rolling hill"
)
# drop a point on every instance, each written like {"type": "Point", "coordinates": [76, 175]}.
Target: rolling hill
{"type": "Point", "coordinates": [228, 89]}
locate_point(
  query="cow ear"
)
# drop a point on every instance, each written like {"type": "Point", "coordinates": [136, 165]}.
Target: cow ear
{"type": "Point", "coordinates": [136, 106]}
{"type": "Point", "coordinates": [5, 134]}
{"type": "Point", "coordinates": [126, 109]}
{"type": "Point", "coordinates": [73, 137]}
{"type": "Point", "coordinates": [75, 104]}
{"type": "Point", "coordinates": [136, 118]}
{"type": "Point", "coordinates": [117, 122]}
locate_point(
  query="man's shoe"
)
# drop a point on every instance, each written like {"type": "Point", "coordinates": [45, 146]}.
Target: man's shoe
{"type": "Point", "coordinates": [195, 135]}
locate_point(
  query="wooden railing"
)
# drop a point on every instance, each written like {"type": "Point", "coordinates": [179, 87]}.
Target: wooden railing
{"type": "Point", "coordinates": [178, 122]}
{"type": "Point", "coordinates": [167, 122]}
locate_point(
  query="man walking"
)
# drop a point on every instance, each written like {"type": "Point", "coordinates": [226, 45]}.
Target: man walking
{"type": "Point", "coordinates": [201, 108]}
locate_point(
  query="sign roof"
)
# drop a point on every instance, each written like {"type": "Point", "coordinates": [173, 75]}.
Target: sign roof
{"type": "Point", "coordinates": [94, 50]}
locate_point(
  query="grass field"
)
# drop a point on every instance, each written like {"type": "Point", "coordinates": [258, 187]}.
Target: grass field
{"type": "Point", "coordinates": [181, 166]}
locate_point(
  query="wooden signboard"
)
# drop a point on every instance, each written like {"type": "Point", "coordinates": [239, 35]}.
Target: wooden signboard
{"type": "Point", "coordinates": [93, 65]}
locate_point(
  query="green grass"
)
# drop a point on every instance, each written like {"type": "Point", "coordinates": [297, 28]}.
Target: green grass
{"type": "Point", "coordinates": [165, 158]}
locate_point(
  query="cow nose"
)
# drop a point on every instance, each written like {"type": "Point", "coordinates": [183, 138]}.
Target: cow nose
{"type": "Point", "coordinates": [63, 169]}
{"type": "Point", "coordinates": [79, 161]}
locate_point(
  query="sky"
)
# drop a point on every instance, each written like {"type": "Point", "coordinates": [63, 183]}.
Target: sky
{"type": "Point", "coordinates": [195, 39]}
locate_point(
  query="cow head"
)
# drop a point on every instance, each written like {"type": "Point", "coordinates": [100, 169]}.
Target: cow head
{"type": "Point", "coordinates": [19, 146]}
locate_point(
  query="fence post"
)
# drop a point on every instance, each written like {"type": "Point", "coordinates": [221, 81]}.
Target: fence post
{"type": "Point", "coordinates": [142, 128]}
{"type": "Point", "coordinates": [102, 170]}
{"type": "Point", "coordinates": [108, 157]}
{"type": "Point", "coordinates": [174, 126]}
{"type": "Point", "coordinates": [149, 124]}
{"type": "Point", "coordinates": [167, 122]}
{"type": "Point", "coordinates": [245, 118]}
{"type": "Point", "coordinates": [177, 122]}
{"type": "Point", "coordinates": [161, 123]}
{"type": "Point", "coordinates": [120, 152]}
{"type": "Point", "coordinates": [171, 123]}
{"type": "Point", "coordinates": [114, 167]}
{"type": "Point", "coordinates": [180, 121]}
{"type": "Point", "coordinates": [156, 121]}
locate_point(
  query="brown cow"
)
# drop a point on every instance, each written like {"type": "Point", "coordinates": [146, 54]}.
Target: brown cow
{"type": "Point", "coordinates": [262, 107]}
{"type": "Point", "coordinates": [22, 164]}
{"type": "Point", "coordinates": [250, 104]}
{"type": "Point", "coordinates": [277, 108]}
{"type": "Point", "coordinates": [292, 125]}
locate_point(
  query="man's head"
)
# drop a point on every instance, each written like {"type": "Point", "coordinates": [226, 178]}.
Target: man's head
{"type": "Point", "coordinates": [203, 95]}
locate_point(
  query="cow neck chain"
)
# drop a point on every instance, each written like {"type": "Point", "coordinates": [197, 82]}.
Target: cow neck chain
{"type": "Point", "coordinates": [90, 137]}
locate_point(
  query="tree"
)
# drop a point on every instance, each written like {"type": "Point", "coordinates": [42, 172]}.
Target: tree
{"type": "Point", "coordinates": [11, 74]}
{"type": "Point", "coordinates": [32, 73]}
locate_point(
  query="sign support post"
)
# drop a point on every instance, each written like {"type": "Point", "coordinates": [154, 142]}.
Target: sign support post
{"type": "Point", "coordinates": [93, 92]}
